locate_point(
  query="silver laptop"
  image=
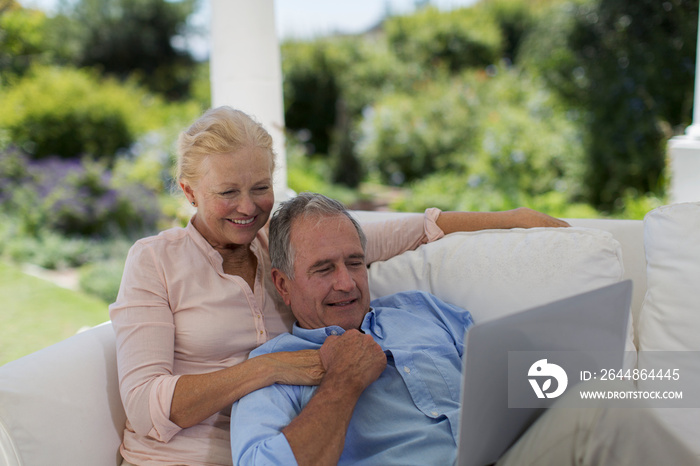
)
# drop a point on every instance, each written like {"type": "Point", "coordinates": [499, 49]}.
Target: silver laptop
{"type": "Point", "coordinates": [502, 390]}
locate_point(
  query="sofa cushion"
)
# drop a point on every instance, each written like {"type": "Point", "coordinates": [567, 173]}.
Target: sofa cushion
{"type": "Point", "coordinates": [493, 273]}
{"type": "Point", "coordinates": [669, 321]}
{"type": "Point", "coordinates": [670, 315]}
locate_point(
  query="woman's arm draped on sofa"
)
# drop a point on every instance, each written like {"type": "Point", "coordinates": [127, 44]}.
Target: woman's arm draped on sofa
{"type": "Point", "coordinates": [389, 238]}
{"type": "Point", "coordinates": [522, 217]}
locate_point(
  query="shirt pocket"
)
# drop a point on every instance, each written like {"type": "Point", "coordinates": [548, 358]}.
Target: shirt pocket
{"type": "Point", "coordinates": [441, 371]}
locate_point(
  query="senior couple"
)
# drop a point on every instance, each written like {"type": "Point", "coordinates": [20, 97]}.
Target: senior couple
{"type": "Point", "coordinates": [352, 382]}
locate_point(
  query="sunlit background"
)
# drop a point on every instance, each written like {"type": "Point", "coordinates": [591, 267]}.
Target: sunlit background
{"type": "Point", "coordinates": [565, 106]}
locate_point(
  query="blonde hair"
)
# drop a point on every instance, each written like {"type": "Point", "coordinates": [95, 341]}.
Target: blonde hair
{"type": "Point", "coordinates": [219, 130]}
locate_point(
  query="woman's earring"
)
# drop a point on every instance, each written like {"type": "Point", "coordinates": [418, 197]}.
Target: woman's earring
{"type": "Point", "coordinates": [192, 202]}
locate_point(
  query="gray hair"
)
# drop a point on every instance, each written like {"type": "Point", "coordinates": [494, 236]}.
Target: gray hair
{"type": "Point", "coordinates": [303, 205]}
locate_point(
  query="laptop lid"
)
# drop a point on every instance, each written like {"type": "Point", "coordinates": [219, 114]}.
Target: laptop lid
{"type": "Point", "coordinates": [592, 326]}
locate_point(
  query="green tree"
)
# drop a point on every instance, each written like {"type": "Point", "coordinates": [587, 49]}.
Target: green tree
{"type": "Point", "coordinates": [452, 40]}
{"type": "Point", "coordinates": [130, 37]}
{"type": "Point", "coordinates": [629, 66]}
{"type": "Point", "coordinates": [22, 40]}
{"type": "Point", "coordinates": [515, 19]}
{"type": "Point", "coordinates": [311, 91]}
{"type": "Point", "coordinates": [328, 83]}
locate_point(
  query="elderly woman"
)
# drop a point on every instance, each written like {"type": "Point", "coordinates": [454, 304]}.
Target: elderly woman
{"type": "Point", "coordinates": [195, 301]}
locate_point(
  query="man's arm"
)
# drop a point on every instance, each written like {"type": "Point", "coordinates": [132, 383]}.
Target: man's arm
{"type": "Point", "coordinates": [272, 425]}
{"type": "Point", "coordinates": [352, 361]}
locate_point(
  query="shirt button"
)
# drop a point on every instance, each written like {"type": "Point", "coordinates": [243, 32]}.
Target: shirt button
{"type": "Point", "coordinates": [334, 332]}
{"type": "Point", "coordinates": [434, 413]}
{"type": "Point", "coordinates": [407, 369]}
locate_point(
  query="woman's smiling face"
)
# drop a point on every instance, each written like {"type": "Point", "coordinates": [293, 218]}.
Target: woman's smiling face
{"type": "Point", "coordinates": [233, 195]}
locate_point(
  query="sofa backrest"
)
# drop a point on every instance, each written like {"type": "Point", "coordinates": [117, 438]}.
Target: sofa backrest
{"type": "Point", "coordinates": [61, 405]}
{"type": "Point", "coordinates": [628, 233]}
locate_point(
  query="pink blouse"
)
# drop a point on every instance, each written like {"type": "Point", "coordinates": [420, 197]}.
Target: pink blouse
{"type": "Point", "coordinates": [178, 313]}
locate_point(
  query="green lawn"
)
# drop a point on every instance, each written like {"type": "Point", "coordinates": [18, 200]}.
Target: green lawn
{"type": "Point", "coordinates": [35, 313]}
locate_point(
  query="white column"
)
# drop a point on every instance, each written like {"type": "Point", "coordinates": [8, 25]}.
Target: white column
{"type": "Point", "coordinates": [246, 71]}
{"type": "Point", "coordinates": [684, 151]}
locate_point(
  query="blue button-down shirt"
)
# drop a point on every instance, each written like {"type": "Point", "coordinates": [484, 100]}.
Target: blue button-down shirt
{"type": "Point", "coordinates": [409, 415]}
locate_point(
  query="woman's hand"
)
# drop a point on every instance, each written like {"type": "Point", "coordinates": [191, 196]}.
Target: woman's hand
{"type": "Point", "coordinates": [296, 367]}
{"type": "Point", "coordinates": [528, 218]}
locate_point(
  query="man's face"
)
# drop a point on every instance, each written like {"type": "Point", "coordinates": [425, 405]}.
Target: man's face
{"type": "Point", "coordinates": [330, 285]}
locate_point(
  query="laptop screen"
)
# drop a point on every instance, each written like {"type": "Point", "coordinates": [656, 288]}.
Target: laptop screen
{"type": "Point", "coordinates": [518, 365]}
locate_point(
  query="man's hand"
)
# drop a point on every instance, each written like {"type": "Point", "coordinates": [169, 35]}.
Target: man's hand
{"type": "Point", "coordinates": [354, 360]}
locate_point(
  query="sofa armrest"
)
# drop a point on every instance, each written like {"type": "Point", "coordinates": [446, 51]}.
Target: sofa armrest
{"type": "Point", "coordinates": [61, 405]}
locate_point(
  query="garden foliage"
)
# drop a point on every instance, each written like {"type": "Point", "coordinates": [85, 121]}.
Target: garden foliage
{"type": "Point", "coordinates": [597, 87]}
{"type": "Point", "coordinates": [629, 67]}
{"type": "Point", "coordinates": [560, 105]}
{"type": "Point", "coordinates": [129, 39]}
{"type": "Point", "coordinates": [73, 197]}
{"type": "Point", "coordinates": [72, 113]}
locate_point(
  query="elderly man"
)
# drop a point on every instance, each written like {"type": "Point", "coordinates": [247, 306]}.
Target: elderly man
{"type": "Point", "coordinates": [391, 390]}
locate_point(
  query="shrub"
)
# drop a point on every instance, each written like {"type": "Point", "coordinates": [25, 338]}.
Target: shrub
{"type": "Point", "coordinates": [450, 191]}
{"type": "Point", "coordinates": [500, 130]}
{"type": "Point", "coordinates": [71, 113]}
{"type": "Point", "coordinates": [74, 198]}
{"type": "Point", "coordinates": [102, 279]}
{"type": "Point", "coordinates": [307, 174]}
{"type": "Point", "coordinates": [530, 144]}
{"type": "Point", "coordinates": [49, 251]}
{"type": "Point", "coordinates": [406, 136]}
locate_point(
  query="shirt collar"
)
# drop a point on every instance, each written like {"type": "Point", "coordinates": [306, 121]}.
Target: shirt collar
{"type": "Point", "coordinates": [372, 325]}
{"type": "Point", "coordinates": [319, 335]}
{"type": "Point", "coordinates": [316, 335]}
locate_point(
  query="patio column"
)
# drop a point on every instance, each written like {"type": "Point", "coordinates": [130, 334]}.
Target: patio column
{"type": "Point", "coordinates": [246, 71]}
{"type": "Point", "coordinates": [684, 151]}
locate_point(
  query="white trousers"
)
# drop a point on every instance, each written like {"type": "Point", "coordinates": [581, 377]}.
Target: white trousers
{"type": "Point", "coordinates": [599, 436]}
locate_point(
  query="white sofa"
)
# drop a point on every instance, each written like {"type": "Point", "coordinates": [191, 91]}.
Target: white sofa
{"type": "Point", "coordinates": [61, 405]}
